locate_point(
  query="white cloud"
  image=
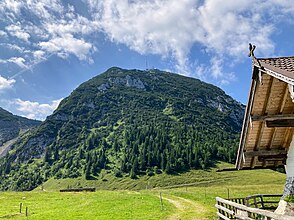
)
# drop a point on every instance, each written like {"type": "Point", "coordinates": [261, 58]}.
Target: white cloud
{"type": "Point", "coordinates": [39, 55]}
{"type": "Point", "coordinates": [66, 45]}
{"type": "Point", "coordinates": [13, 47]}
{"type": "Point", "coordinates": [75, 24]}
{"type": "Point", "coordinates": [45, 9]}
{"type": "Point", "coordinates": [171, 28]}
{"type": "Point", "coordinates": [16, 60]}
{"type": "Point", "coordinates": [12, 5]}
{"type": "Point", "coordinates": [6, 83]}
{"type": "Point", "coordinates": [160, 27]}
{"type": "Point", "coordinates": [3, 33]}
{"type": "Point", "coordinates": [17, 31]}
{"type": "Point", "coordinates": [168, 28]}
{"type": "Point", "coordinates": [35, 110]}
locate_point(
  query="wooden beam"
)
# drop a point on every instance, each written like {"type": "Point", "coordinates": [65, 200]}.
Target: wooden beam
{"type": "Point", "coordinates": [277, 159]}
{"type": "Point", "coordinates": [280, 123]}
{"type": "Point", "coordinates": [249, 168]}
{"type": "Point", "coordinates": [245, 125]}
{"type": "Point", "coordinates": [260, 132]}
{"type": "Point", "coordinates": [272, 117]}
{"type": "Point", "coordinates": [272, 152]}
{"type": "Point", "coordinates": [267, 96]}
{"type": "Point", "coordinates": [282, 105]}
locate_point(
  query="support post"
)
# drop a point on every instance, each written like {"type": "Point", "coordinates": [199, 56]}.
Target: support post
{"type": "Point", "coordinates": [161, 204]}
{"type": "Point", "coordinates": [289, 185]}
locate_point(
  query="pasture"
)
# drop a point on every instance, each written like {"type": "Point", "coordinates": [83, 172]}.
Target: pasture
{"type": "Point", "coordinates": [189, 195]}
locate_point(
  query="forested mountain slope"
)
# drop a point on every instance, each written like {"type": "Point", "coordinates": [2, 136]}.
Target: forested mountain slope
{"type": "Point", "coordinates": [129, 122]}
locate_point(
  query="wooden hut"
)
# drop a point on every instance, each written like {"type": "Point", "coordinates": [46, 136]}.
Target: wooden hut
{"type": "Point", "coordinates": [268, 122]}
{"type": "Point", "coordinates": [266, 137]}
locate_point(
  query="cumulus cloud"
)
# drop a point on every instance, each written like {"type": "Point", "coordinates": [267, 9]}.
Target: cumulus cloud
{"type": "Point", "coordinates": [12, 5]}
{"type": "Point", "coordinates": [171, 28]}
{"type": "Point", "coordinates": [6, 83]}
{"type": "Point", "coordinates": [36, 110]}
{"type": "Point", "coordinates": [13, 47]}
{"type": "Point", "coordinates": [168, 28]}
{"type": "Point", "coordinates": [66, 45]}
{"type": "Point", "coordinates": [39, 55]}
{"type": "Point", "coordinates": [159, 27]}
{"type": "Point", "coordinates": [19, 61]}
{"type": "Point", "coordinates": [45, 9]}
{"type": "Point", "coordinates": [3, 33]}
{"type": "Point", "coordinates": [72, 24]}
{"type": "Point", "coordinates": [17, 31]}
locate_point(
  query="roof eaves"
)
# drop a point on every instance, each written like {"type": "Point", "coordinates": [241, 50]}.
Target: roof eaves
{"type": "Point", "coordinates": [277, 74]}
{"type": "Point", "coordinates": [246, 119]}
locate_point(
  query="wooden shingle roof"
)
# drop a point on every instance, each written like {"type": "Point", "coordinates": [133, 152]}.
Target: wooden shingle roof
{"type": "Point", "coordinates": [268, 122]}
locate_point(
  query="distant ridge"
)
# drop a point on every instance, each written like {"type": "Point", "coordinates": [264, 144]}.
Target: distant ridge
{"type": "Point", "coordinates": [11, 125]}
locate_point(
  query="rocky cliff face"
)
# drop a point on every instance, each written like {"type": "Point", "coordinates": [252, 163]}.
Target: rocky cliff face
{"type": "Point", "coordinates": [11, 125]}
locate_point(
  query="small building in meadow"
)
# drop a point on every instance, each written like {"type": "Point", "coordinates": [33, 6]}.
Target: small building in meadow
{"type": "Point", "coordinates": [266, 137]}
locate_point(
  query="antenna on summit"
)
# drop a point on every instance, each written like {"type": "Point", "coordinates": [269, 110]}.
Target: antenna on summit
{"type": "Point", "coordinates": [146, 63]}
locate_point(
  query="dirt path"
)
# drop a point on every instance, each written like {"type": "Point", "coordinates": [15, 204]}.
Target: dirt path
{"type": "Point", "coordinates": [185, 208]}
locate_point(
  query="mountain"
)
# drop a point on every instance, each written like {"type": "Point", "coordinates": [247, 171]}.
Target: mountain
{"type": "Point", "coordinates": [130, 123]}
{"type": "Point", "coordinates": [11, 125]}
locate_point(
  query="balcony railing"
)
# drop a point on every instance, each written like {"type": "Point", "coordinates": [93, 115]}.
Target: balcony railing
{"type": "Point", "coordinates": [228, 210]}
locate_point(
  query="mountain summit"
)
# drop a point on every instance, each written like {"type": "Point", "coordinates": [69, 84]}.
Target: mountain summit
{"type": "Point", "coordinates": [132, 123]}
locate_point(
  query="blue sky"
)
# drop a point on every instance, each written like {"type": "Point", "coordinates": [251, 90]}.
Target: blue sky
{"type": "Point", "coordinates": [49, 47]}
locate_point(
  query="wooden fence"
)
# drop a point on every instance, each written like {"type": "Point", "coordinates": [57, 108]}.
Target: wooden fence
{"type": "Point", "coordinates": [262, 201]}
{"type": "Point", "coordinates": [228, 210]}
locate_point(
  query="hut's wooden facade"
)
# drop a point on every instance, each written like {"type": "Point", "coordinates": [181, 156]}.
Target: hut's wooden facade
{"type": "Point", "coordinates": [267, 134]}
{"type": "Point", "coordinates": [268, 122]}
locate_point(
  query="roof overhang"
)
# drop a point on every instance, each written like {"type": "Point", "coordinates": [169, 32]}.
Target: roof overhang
{"type": "Point", "coordinates": [268, 121]}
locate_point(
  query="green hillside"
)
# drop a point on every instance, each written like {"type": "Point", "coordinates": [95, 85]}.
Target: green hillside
{"type": "Point", "coordinates": [129, 123]}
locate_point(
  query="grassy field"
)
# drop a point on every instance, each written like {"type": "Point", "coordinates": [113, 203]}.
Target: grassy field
{"type": "Point", "coordinates": [189, 195]}
{"type": "Point", "coordinates": [97, 205]}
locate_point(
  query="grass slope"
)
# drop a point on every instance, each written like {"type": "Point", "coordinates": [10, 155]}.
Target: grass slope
{"type": "Point", "coordinates": [188, 195]}
{"type": "Point", "coordinates": [98, 205]}
{"type": "Point", "coordinates": [197, 178]}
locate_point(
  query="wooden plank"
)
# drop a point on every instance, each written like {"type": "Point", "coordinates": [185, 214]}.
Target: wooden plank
{"type": "Point", "coordinates": [268, 92]}
{"type": "Point", "coordinates": [272, 117]}
{"type": "Point", "coordinates": [242, 217]}
{"type": "Point", "coordinates": [222, 216]}
{"type": "Point", "coordinates": [224, 209]}
{"type": "Point", "coordinates": [280, 123]}
{"type": "Point", "coordinates": [284, 98]}
{"type": "Point", "coordinates": [272, 152]}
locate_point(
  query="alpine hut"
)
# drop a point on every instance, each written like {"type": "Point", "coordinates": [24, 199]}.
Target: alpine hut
{"type": "Point", "coordinates": [266, 137]}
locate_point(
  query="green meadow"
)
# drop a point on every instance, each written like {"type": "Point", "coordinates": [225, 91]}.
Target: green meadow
{"type": "Point", "coordinates": [189, 195]}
